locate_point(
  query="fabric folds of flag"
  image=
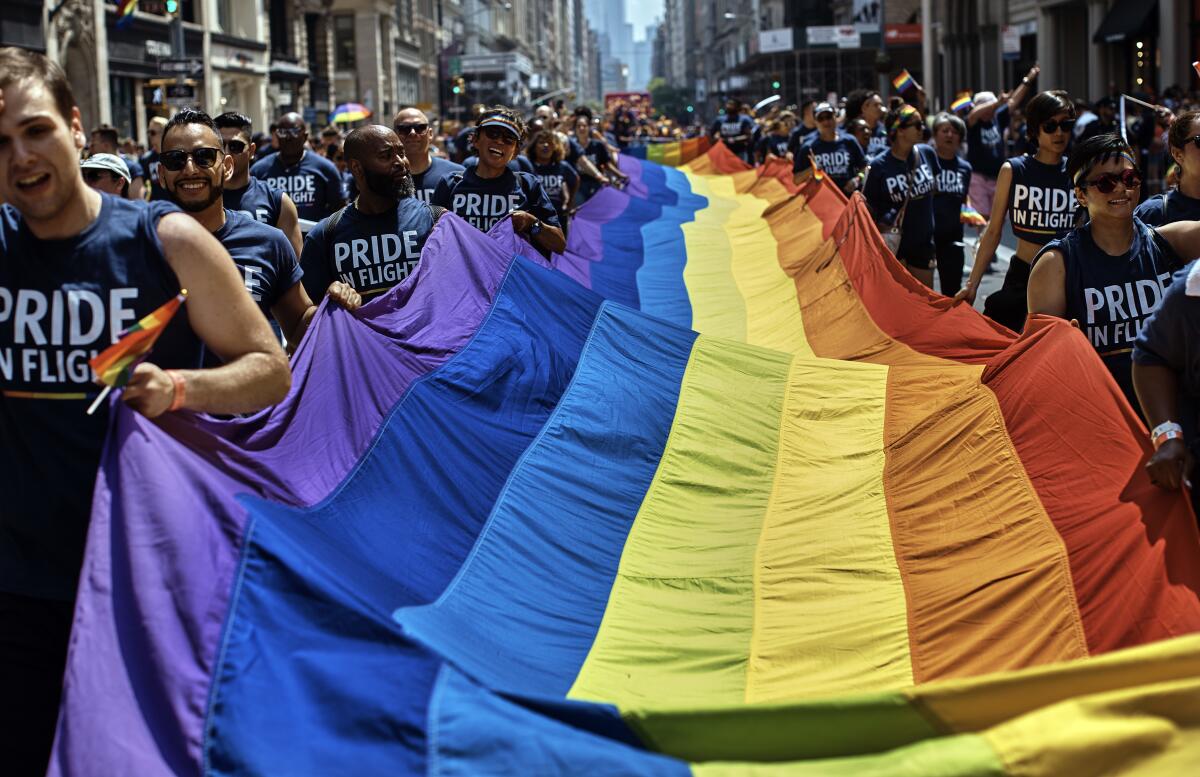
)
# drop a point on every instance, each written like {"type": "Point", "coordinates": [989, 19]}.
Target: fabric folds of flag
{"type": "Point", "coordinates": [125, 12]}
{"type": "Point", "coordinates": [114, 365]}
{"type": "Point", "coordinates": [969, 215]}
{"type": "Point", "coordinates": [904, 81]}
{"type": "Point", "coordinates": [961, 102]}
{"type": "Point", "coordinates": [720, 489]}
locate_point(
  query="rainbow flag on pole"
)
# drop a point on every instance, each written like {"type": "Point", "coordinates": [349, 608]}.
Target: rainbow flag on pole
{"type": "Point", "coordinates": [962, 102]}
{"type": "Point", "coordinates": [904, 81]}
{"type": "Point", "coordinates": [125, 13]}
{"type": "Point", "coordinates": [115, 364]}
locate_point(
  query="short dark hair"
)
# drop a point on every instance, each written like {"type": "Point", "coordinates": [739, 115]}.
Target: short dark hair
{"type": "Point", "coordinates": [17, 65]}
{"type": "Point", "coordinates": [1097, 150]}
{"type": "Point", "coordinates": [1044, 107]}
{"type": "Point", "coordinates": [234, 120]}
{"type": "Point", "coordinates": [190, 116]}
{"type": "Point", "coordinates": [556, 154]}
{"type": "Point", "coordinates": [109, 133]}
{"type": "Point", "coordinates": [854, 103]}
{"type": "Point", "coordinates": [1181, 129]}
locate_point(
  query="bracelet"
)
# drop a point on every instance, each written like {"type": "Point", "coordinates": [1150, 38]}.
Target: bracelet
{"type": "Point", "coordinates": [180, 393]}
{"type": "Point", "coordinates": [1167, 430]}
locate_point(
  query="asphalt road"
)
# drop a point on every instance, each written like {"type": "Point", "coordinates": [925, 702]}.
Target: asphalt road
{"type": "Point", "coordinates": [1004, 252]}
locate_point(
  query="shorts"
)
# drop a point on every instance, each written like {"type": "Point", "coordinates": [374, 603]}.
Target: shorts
{"type": "Point", "coordinates": [1010, 305]}
{"type": "Point", "coordinates": [983, 191]}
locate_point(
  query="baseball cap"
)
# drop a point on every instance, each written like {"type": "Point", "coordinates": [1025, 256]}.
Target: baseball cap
{"type": "Point", "coordinates": [823, 108]}
{"type": "Point", "coordinates": [984, 98]}
{"type": "Point", "coordinates": [503, 123]}
{"type": "Point", "coordinates": [110, 162]}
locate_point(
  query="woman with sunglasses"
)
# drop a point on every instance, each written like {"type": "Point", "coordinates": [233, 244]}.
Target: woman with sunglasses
{"type": "Point", "coordinates": [1038, 200]}
{"type": "Point", "coordinates": [558, 178]}
{"type": "Point", "coordinates": [488, 191]}
{"type": "Point", "coordinates": [1183, 202]}
{"type": "Point", "coordinates": [899, 192]}
{"type": "Point", "coordinates": [1110, 274]}
{"type": "Point", "coordinates": [836, 154]}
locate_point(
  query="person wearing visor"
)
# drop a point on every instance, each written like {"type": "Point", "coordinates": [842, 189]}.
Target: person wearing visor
{"type": "Point", "coordinates": [1108, 276]}
{"type": "Point", "coordinates": [899, 192]}
{"type": "Point", "coordinates": [311, 180]}
{"type": "Point", "coordinates": [416, 133]}
{"type": "Point", "coordinates": [1039, 201]}
{"type": "Point", "coordinates": [265, 203]}
{"type": "Point", "coordinates": [106, 173]}
{"type": "Point", "coordinates": [836, 154]}
{"type": "Point", "coordinates": [489, 191]}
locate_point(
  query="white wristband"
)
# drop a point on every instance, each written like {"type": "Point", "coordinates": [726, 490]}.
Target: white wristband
{"type": "Point", "coordinates": [1167, 430]}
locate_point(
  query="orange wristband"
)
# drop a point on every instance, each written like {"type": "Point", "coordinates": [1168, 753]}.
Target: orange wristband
{"type": "Point", "coordinates": [180, 390]}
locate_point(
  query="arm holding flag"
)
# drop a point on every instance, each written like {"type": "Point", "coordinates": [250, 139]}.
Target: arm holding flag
{"type": "Point", "coordinates": [255, 373]}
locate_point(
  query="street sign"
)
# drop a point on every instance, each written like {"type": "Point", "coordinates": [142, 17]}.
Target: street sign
{"type": "Point", "coordinates": [181, 92]}
{"type": "Point", "coordinates": [455, 66]}
{"type": "Point", "coordinates": [186, 67]}
{"type": "Point", "coordinates": [771, 41]}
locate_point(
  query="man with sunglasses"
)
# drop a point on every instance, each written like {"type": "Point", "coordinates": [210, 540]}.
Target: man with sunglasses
{"type": "Point", "coordinates": [489, 191]}
{"type": "Point", "coordinates": [311, 180]}
{"type": "Point", "coordinates": [106, 173]}
{"type": "Point", "coordinates": [836, 154]}
{"type": "Point", "coordinates": [76, 268]}
{"type": "Point", "coordinates": [1108, 276]}
{"type": "Point", "coordinates": [375, 242]}
{"type": "Point", "coordinates": [248, 194]}
{"type": "Point", "coordinates": [193, 170]}
{"type": "Point", "coordinates": [427, 171]}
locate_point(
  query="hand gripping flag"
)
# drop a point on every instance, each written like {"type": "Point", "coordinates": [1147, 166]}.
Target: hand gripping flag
{"type": "Point", "coordinates": [904, 81]}
{"type": "Point", "coordinates": [969, 215]}
{"type": "Point", "coordinates": [115, 364]}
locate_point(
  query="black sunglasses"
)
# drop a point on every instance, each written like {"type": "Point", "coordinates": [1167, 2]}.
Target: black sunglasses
{"type": "Point", "coordinates": [289, 132]}
{"type": "Point", "coordinates": [415, 129]}
{"type": "Point", "coordinates": [1105, 184]}
{"type": "Point", "coordinates": [497, 134]}
{"type": "Point", "coordinates": [1195, 141]}
{"type": "Point", "coordinates": [235, 146]}
{"type": "Point", "coordinates": [177, 160]}
{"type": "Point", "coordinates": [1052, 126]}
{"type": "Point", "coordinates": [94, 176]}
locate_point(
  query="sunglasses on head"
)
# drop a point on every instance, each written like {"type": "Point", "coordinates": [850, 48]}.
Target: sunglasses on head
{"type": "Point", "coordinates": [497, 134]}
{"type": "Point", "coordinates": [177, 160]}
{"type": "Point", "coordinates": [1105, 184]}
{"type": "Point", "coordinates": [1066, 125]}
{"type": "Point", "coordinates": [236, 146]}
{"type": "Point", "coordinates": [289, 132]}
{"type": "Point", "coordinates": [414, 129]}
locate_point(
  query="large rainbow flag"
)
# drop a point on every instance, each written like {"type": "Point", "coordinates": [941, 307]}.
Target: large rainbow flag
{"type": "Point", "coordinates": [722, 490]}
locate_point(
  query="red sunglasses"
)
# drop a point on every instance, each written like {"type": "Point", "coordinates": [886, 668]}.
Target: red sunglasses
{"type": "Point", "coordinates": [1106, 183]}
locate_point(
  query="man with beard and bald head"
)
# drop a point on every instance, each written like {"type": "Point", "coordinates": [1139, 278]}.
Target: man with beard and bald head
{"type": "Point", "coordinates": [311, 180]}
{"type": "Point", "coordinates": [193, 169]}
{"type": "Point", "coordinates": [427, 171]}
{"type": "Point", "coordinates": [374, 242]}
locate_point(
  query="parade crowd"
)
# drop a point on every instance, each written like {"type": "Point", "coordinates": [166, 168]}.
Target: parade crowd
{"type": "Point", "coordinates": [260, 224]}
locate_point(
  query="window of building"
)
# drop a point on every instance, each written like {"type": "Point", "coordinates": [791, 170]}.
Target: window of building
{"type": "Point", "coordinates": [404, 21]}
{"type": "Point", "coordinates": [281, 34]}
{"type": "Point", "coordinates": [343, 42]}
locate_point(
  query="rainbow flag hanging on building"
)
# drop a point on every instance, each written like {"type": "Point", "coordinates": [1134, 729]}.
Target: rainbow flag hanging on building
{"type": "Point", "coordinates": [114, 365]}
{"type": "Point", "coordinates": [904, 81]}
{"type": "Point", "coordinates": [962, 102]}
{"type": "Point", "coordinates": [746, 495]}
{"type": "Point", "coordinates": [125, 10]}
{"type": "Point", "coordinates": [969, 215]}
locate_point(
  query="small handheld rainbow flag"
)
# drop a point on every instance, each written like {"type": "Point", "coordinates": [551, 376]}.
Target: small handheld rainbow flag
{"type": "Point", "coordinates": [115, 364]}
{"type": "Point", "coordinates": [903, 81]}
{"type": "Point", "coordinates": [969, 215]}
{"type": "Point", "coordinates": [125, 11]}
{"type": "Point", "coordinates": [962, 102]}
{"type": "Point", "coordinates": [818, 173]}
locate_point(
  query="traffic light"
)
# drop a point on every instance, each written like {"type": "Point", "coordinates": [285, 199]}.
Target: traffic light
{"type": "Point", "coordinates": [775, 82]}
{"type": "Point", "coordinates": [458, 85]}
{"type": "Point", "coordinates": [690, 109]}
{"type": "Point", "coordinates": [172, 7]}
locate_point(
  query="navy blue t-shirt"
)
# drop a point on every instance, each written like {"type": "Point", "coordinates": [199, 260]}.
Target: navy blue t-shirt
{"type": "Point", "coordinates": [257, 198]}
{"type": "Point", "coordinates": [1112, 296]}
{"type": "Point", "coordinates": [263, 254]}
{"type": "Point", "coordinates": [887, 188]}
{"type": "Point", "coordinates": [61, 303]}
{"type": "Point", "coordinates": [772, 144]}
{"type": "Point", "coordinates": [798, 135]}
{"type": "Point", "coordinates": [1168, 208]}
{"type": "Point", "coordinates": [135, 168]}
{"type": "Point", "coordinates": [729, 127]}
{"type": "Point", "coordinates": [841, 159]}
{"type": "Point", "coordinates": [484, 201]}
{"type": "Point", "coordinates": [559, 180]}
{"type": "Point", "coordinates": [1041, 200]}
{"type": "Point", "coordinates": [149, 163]}
{"type": "Point", "coordinates": [1170, 338]}
{"type": "Point", "coordinates": [371, 253]}
{"type": "Point", "coordinates": [878, 142]}
{"type": "Point", "coordinates": [952, 183]}
{"type": "Point", "coordinates": [313, 183]}
{"type": "Point", "coordinates": [425, 183]}
{"type": "Point", "coordinates": [985, 144]}
{"type": "Point", "coordinates": [518, 164]}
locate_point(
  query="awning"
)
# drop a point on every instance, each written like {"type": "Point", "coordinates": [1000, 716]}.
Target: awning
{"type": "Point", "coordinates": [282, 70]}
{"type": "Point", "coordinates": [1127, 19]}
